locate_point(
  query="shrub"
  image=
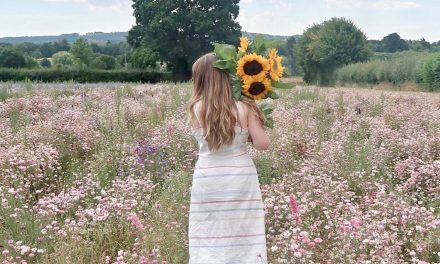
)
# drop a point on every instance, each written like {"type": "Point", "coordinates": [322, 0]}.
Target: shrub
{"type": "Point", "coordinates": [103, 62]}
{"type": "Point", "coordinates": [45, 63]}
{"type": "Point", "coordinates": [63, 59]}
{"type": "Point", "coordinates": [431, 73]}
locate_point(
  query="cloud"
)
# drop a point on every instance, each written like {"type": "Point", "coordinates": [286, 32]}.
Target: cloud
{"type": "Point", "coordinates": [373, 4]}
{"type": "Point", "coordinates": [120, 6]}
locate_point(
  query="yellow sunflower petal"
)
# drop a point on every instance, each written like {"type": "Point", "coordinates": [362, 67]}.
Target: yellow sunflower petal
{"type": "Point", "coordinates": [252, 66]}
{"type": "Point", "coordinates": [257, 88]}
{"type": "Point", "coordinates": [276, 68]}
{"type": "Point", "coordinates": [244, 44]}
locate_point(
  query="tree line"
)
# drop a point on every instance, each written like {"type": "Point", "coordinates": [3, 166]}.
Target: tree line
{"type": "Point", "coordinates": [79, 55]}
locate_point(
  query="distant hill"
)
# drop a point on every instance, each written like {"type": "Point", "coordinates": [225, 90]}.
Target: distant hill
{"type": "Point", "coordinates": [250, 35]}
{"type": "Point", "coordinates": [101, 37]}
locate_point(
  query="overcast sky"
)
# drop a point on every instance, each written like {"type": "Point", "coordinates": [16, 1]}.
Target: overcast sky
{"type": "Point", "coordinates": [377, 18]}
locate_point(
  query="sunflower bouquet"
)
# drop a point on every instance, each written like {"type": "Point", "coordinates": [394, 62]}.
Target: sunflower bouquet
{"type": "Point", "coordinates": [255, 71]}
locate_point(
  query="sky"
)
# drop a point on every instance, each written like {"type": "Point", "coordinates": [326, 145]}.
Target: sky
{"type": "Point", "coordinates": [411, 19]}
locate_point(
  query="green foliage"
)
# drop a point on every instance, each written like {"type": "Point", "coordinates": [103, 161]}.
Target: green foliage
{"type": "Point", "coordinates": [267, 110]}
{"type": "Point", "coordinates": [31, 63]}
{"type": "Point", "coordinates": [63, 59]}
{"type": "Point", "coordinates": [290, 56]}
{"type": "Point", "coordinates": [103, 62]}
{"type": "Point", "coordinates": [181, 31]}
{"type": "Point", "coordinates": [45, 63]}
{"type": "Point", "coordinates": [49, 49]}
{"type": "Point", "coordinates": [82, 76]}
{"type": "Point", "coordinates": [326, 46]}
{"type": "Point", "coordinates": [143, 58]}
{"type": "Point", "coordinates": [431, 73]}
{"type": "Point", "coordinates": [396, 68]}
{"type": "Point", "coordinates": [12, 58]}
{"type": "Point", "coordinates": [393, 43]}
{"type": "Point", "coordinates": [419, 45]}
{"type": "Point", "coordinates": [82, 51]}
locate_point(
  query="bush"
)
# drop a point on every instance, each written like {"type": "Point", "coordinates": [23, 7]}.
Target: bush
{"type": "Point", "coordinates": [31, 63]}
{"type": "Point", "coordinates": [430, 73]}
{"type": "Point", "coordinates": [103, 62]}
{"type": "Point", "coordinates": [64, 59]}
{"type": "Point", "coordinates": [45, 63]}
{"type": "Point", "coordinates": [82, 76]}
{"type": "Point", "coordinates": [12, 58]}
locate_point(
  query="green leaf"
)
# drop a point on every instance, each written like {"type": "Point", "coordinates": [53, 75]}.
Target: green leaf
{"type": "Point", "coordinates": [266, 108]}
{"type": "Point", "coordinates": [258, 44]}
{"type": "Point", "coordinates": [236, 90]}
{"type": "Point", "coordinates": [221, 64]}
{"type": "Point", "coordinates": [273, 95]}
{"type": "Point", "coordinates": [281, 85]}
{"type": "Point", "coordinates": [269, 122]}
{"type": "Point", "coordinates": [228, 65]}
{"type": "Point", "coordinates": [225, 51]}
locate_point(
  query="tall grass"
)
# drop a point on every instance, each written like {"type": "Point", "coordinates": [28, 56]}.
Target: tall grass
{"type": "Point", "coordinates": [397, 69]}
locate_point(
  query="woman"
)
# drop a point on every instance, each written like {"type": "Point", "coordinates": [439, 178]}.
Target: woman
{"type": "Point", "coordinates": [226, 218]}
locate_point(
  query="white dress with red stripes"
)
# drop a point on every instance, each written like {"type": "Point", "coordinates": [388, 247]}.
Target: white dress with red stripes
{"type": "Point", "coordinates": [226, 218]}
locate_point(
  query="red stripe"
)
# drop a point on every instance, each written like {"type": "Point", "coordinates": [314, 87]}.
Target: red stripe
{"type": "Point", "coordinates": [227, 236]}
{"type": "Point", "coordinates": [226, 201]}
{"type": "Point", "coordinates": [224, 167]}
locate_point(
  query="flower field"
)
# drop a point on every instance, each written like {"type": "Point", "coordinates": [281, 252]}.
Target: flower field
{"type": "Point", "coordinates": [101, 173]}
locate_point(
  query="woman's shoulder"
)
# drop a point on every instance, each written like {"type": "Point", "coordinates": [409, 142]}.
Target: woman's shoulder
{"type": "Point", "coordinates": [242, 107]}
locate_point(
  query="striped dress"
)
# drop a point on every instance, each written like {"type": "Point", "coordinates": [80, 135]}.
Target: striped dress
{"type": "Point", "coordinates": [226, 217]}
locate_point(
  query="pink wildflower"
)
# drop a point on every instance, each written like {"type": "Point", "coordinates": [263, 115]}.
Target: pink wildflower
{"type": "Point", "coordinates": [136, 221]}
{"type": "Point", "coordinates": [356, 223]}
{"type": "Point", "coordinates": [294, 208]}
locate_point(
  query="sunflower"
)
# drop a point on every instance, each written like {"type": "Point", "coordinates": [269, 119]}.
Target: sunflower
{"type": "Point", "coordinates": [275, 66]}
{"type": "Point", "coordinates": [257, 89]}
{"type": "Point", "coordinates": [252, 66]}
{"type": "Point", "coordinates": [244, 44]}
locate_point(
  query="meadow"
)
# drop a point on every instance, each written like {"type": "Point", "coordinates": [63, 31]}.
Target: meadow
{"type": "Point", "coordinates": [101, 173]}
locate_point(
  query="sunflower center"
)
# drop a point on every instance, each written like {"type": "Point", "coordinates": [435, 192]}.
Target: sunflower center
{"type": "Point", "coordinates": [256, 88]}
{"type": "Point", "coordinates": [252, 67]}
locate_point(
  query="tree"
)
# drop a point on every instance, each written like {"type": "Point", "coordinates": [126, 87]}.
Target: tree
{"type": "Point", "coordinates": [45, 63]}
{"type": "Point", "coordinates": [326, 46]}
{"type": "Point", "coordinates": [12, 58]}
{"type": "Point", "coordinates": [64, 59]}
{"type": "Point", "coordinates": [103, 62]}
{"type": "Point", "coordinates": [181, 31]}
{"type": "Point", "coordinates": [82, 51]}
{"type": "Point", "coordinates": [31, 63]}
{"type": "Point", "coordinates": [290, 47]}
{"type": "Point", "coordinates": [393, 43]}
{"type": "Point", "coordinates": [143, 57]}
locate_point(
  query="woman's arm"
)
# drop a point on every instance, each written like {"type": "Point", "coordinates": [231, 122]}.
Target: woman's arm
{"type": "Point", "coordinates": [258, 135]}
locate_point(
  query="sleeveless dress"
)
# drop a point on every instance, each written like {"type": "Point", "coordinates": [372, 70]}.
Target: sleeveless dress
{"type": "Point", "coordinates": [226, 217]}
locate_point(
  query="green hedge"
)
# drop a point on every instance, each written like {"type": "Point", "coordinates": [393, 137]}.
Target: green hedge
{"type": "Point", "coordinates": [83, 76]}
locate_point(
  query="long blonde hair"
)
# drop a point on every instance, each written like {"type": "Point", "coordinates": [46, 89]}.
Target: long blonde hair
{"type": "Point", "coordinates": [212, 88]}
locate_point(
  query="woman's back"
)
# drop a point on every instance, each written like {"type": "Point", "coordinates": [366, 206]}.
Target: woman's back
{"type": "Point", "coordinates": [238, 146]}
